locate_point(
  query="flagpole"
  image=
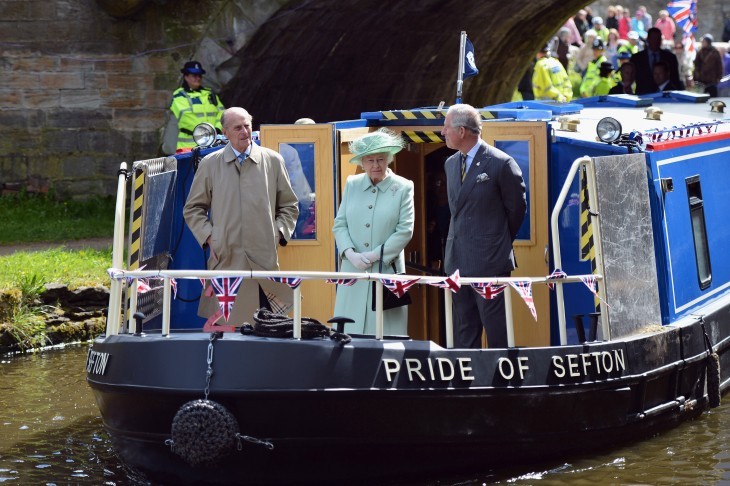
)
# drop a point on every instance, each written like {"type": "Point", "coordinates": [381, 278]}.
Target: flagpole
{"type": "Point", "coordinates": [460, 77]}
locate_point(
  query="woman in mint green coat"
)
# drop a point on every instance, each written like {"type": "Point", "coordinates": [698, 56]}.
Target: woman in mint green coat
{"type": "Point", "coordinates": [376, 212]}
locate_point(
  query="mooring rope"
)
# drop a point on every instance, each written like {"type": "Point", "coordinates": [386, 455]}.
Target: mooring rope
{"type": "Point", "coordinates": [269, 324]}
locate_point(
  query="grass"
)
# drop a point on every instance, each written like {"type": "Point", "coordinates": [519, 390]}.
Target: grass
{"type": "Point", "coordinates": [28, 218]}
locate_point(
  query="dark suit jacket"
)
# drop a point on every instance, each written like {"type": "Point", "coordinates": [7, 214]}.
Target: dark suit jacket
{"type": "Point", "coordinates": [644, 78]}
{"type": "Point", "coordinates": [487, 210]}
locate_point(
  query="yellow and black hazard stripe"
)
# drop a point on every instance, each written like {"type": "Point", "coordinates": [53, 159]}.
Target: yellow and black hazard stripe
{"type": "Point", "coordinates": [414, 115]}
{"type": "Point", "coordinates": [423, 136]}
{"type": "Point", "coordinates": [587, 244]}
{"type": "Point", "coordinates": [135, 239]}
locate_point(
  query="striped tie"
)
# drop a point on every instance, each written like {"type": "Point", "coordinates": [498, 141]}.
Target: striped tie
{"type": "Point", "coordinates": [241, 158]}
{"type": "Point", "coordinates": [463, 167]}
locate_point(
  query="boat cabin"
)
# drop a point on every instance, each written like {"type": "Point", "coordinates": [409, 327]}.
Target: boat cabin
{"type": "Point", "coordinates": [652, 234]}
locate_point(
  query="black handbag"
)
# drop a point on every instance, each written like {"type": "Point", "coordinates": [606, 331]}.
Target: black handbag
{"type": "Point", "coordinates": [390, 300]}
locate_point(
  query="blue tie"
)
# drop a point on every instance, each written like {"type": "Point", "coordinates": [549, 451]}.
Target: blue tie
{"type": "Point", "coordinates": [241, 158]}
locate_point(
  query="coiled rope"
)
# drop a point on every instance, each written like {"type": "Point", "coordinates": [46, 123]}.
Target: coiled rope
{"type": "Point", "coordinates": [269, 324]}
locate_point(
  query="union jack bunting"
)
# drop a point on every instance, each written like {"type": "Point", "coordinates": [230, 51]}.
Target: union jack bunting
{"type": "Point", "coordinates": [173, 285]}
{"type": "Point", "coordinates": [452, 283]}
{"type": "Point", "coordinates": [342, 281]}
{"type": "Point", "coordinates": [524, 288]}
{"type": "Point", "coordinates": [292, 282]}
{"type": "Point", "coordinates": [590, 281]}
{"type": "Point", "coordinates": [225, 289]}
{"type": "Point", "coordinates": [143, 286]}
{"type": "Point", "coordinates": [399, 287]}
{"type": "Point", "coordinates": [488, 290]}
{"type": "Point", "coordinates": [557, 273]}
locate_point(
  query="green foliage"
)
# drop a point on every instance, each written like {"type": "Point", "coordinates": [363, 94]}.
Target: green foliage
{"type": "Point", "coordinates": [28, 328]}
{"type": "Point", "coordinates": [30, 271]}
{"type": "Point", "coordinates": [28, 218]}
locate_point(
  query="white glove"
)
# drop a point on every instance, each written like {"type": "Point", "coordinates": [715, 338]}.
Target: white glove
{"type": "Point", "coordinates": [372, 256]}
{"type": "Point", "coordinates": [358, 260]}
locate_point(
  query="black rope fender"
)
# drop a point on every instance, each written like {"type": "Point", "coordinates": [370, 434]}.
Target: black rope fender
{"type": "Point", "coordinates": [713, 370]}
{"type": "Point", "coordinates": [269, 324]}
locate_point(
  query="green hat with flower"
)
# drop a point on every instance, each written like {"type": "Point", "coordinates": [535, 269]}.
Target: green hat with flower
{"type": "Point", "coordinates": [378, 142]}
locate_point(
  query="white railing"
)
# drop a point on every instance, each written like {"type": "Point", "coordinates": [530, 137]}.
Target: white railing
{"type": "Point", "coordinates": [119, 275]}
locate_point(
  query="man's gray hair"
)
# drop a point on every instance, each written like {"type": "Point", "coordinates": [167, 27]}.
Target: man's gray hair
{"type": "Point", "coordinates": [463, 115]}
{"type": "Point", "coordinates": [246, 115]}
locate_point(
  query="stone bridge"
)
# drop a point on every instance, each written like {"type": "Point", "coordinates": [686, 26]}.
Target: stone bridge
{"type": "Point", "coordinates": [88, 82]}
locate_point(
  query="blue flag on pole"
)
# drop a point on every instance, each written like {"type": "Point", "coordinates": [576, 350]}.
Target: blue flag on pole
{"type": "Point", "coordinates": [470, 66]}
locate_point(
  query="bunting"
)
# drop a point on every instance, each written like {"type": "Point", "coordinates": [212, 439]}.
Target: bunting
{"type": "Point", "coordinates": [342, 281]}
{"type": "Point", "coordinates": [292, 282]}
{"type": "Point", "coordinates": [225, 289]}
{"type": "Point", "coordinates": [524, 288]}
{"type": "Point", "coordinates": [557, 274]}
{"type": "Point", "coordinates": [399, 287]}
{"type": "Point", "coordinates": [452, 282]}
{"type": "Point", "coordinates": [488, 290]}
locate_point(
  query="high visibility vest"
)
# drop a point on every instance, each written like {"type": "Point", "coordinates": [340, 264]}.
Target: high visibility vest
{"type": "Point", "coordinates": [603, 86]}
{"type": "Point", "coordinates": [591, 77]}
{"type": "Point", "coordinates": [191, 108]}
{"type": "Point", "coordinates": [550, 81]}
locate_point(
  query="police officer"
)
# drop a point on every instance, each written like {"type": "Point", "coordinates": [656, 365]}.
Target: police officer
{"type": "Point", "coordinates": [549, 79]}
{"type": "Point", "coordinates": [592, 75]}
{"type": "Point", "coordinates": [193, 104]}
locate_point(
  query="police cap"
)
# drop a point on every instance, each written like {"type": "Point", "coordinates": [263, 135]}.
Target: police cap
{"type": "Point", "coordinates": [598, 44]}
{"type": "Point", "coordinates": [192, 67]}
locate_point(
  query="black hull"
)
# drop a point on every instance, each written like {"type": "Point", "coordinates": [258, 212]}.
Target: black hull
{"type": "Point", "coordinates": [333, 413]}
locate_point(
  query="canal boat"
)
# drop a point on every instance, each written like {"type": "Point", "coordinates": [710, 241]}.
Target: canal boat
{"type": "Point", "coordinates": [624, 333]}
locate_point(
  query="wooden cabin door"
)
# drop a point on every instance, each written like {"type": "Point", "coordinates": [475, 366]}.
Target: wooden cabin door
{"type": "Point", "coordinates": [307, 151]}
{"type": "Point", "coordinates": [526, 142]}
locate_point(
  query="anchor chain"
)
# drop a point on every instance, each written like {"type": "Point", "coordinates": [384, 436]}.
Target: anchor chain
{"type": "Point", "coordinates": [253, 440]}
{"type": "Point", "coordinates": [209, 360]}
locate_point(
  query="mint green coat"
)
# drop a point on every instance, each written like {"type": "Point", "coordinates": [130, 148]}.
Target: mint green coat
{"type": "Point", "coordinates": [368, 218]}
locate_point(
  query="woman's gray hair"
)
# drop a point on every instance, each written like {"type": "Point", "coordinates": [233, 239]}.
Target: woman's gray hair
{"type": "Point", "coordinates": [463, 115]}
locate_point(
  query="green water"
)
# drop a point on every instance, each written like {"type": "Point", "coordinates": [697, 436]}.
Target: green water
{"type": "Point", "coordinates": [51, 433]}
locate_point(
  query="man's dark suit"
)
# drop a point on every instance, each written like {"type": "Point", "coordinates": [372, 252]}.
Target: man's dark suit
{"type": "Point", "coordinates": [487, 209]}
{"type": "Point", "coordinates": [644, 76]}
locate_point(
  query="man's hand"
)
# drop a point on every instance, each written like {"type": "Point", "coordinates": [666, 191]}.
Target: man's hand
{"type": "Point", "coordinates": [358, 260]}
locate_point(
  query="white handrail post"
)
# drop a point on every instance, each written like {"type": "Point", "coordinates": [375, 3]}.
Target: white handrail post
{"type": "Point", "coordinates": [557, 259]}
{"type": "Point", "coordinates": [166, 305]}
{"type": "Point", "coordinates": [132, 292]}
{"type": "Point", "coordinates": [449, 319]}
{"type": "Point", "coordinates": [508, 317]}
{"type": "Point", "coordinates": [115, 288]}
{"type": "Point", "coordinates": [298, 312]}
{"type": "Point", "coordinates": [379, 332]}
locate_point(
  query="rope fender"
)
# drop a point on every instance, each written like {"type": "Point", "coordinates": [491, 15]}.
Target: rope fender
{"type": "Point", "coordinates": [269, 324]}
{"type": "Point", "coordinates": [713, 370]}
{"type": "Point", "coordinates": [203, 432]}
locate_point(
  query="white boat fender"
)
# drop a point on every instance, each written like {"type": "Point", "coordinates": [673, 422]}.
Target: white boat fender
{"type": "Point", "coordinates": [713, 370]}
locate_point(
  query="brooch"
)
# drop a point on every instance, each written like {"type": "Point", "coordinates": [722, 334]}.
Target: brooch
{"type": "Point", "coordinates": [482, 177]}
{"type": "Point", "coordinates": [394, 188]}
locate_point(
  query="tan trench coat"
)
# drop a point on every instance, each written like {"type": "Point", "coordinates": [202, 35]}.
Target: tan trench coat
{"type": "Point", "coordinates": [242, 209]}
{"type": "Point", "coordinates": [368, 218]}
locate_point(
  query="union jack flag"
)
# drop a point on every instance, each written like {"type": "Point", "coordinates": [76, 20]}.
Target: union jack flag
{"type": "Point", "coordinates": [143, 286]}
{"type": "Point", "coordinates": [399, 287]}
{"type": "Point", "coordinates": [557, 273]}
{"type": "Point", "coordinates": [524, 288]}
{"type": "Point", "coordinates": [590, 281]}
{"type": "Point", "coordinates": [452, 283]}
{"type": "Point", "coordinates": [292, 282]}
{"type": "Point", "coordinates": [488, 290]}
{"type": "Point", "coordinates": [684, 13]}
{"type": "Point", "coordinates": [342, 281]}
{"type": "Point", "coordinates": [225, 289]}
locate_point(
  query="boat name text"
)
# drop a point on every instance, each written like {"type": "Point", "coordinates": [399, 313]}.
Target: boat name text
{"type": "Point", "coordinates": [96, 362]}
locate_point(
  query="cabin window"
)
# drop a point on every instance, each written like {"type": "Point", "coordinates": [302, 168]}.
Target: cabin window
{"type": "Point", "coordinates": [520, 151]}
{"type": "Point", "coordinates": [299, 160]}
{"type": "Point", "coordinates": [699, 231]}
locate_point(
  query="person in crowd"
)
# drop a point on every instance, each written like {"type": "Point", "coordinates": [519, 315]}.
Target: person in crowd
{"type": "Point", "coordinates": [487, 200]}
{"type": "Point", "coordinates": [562, 50]}
{"type": "Point", "coordinates": [589, 15]}
{"type": "Point", "coordinates": [612, 47]}
{"type": "Point", "coordinates": [591, 77]}
{"type": "Point", "coordinates": [661, 77]}
{"type": "Point", "coordinates": [581, 22]}
{"type": "Point", "coordinates": [639, 24]}
{"type": "Point", "coordinates": [550, 81]}
{"type": "Point", "coordinates": [645, 16]}
{"type": "Point", "coordinates": [686, 64]}
{"type": "Point", "coordinates": [240, 205]}
{"type": "Point", "coordinates": [605, 80]}
{"type": "Point", "coordinates": [631, 45]}
{"type": "Point", "coordinates": [708, 66]}
{"type": "Point", "coordinates": [622, 58]}
{"type": "Point", "coordinates": [376, 216]}
{"type": "Point", "coordinates": [723, 88]}
{"type": "Point", "coordinates": [611, 19]}
{"type": "Point", "coordinates": [626, 85]}
{"type": "Point", "coordinates": [601, 30]}
{"type": "Point", "coordinates": [624, 24]}
{"type": "Point", "coordinates": [585, 53]}
{"type": "Point", "coordinates": [665, 23]}
{"type": "Point", "coordinates": [575, 37]}
{"type": "Point", "coordinates": [645, 60]}
{"type": "Point", "coordinates": [193, 104]}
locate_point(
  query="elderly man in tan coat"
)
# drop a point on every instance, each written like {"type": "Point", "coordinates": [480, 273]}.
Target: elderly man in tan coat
{"type": "Point", "coordinates": [241, 204]}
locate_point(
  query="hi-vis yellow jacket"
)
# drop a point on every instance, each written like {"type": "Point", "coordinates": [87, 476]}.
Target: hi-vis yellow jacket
{"type": "Point", "coordinates": [191, 108]}
{"type": "Point", "coordinates": [550, 81]}
{"type": "Point", "coordinates": [591, 77]}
